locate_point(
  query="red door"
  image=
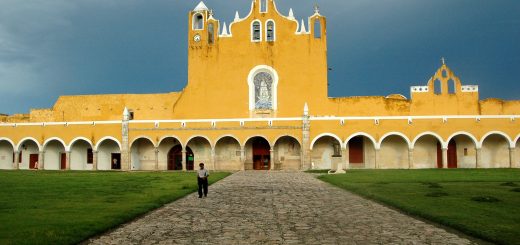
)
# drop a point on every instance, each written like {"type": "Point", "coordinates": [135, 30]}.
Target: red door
{"type": "Point", "coordinates": [175, 158]}
{"type": "Point", "coordinates": [261, 154]}
{"type": "Point", "coordinates": [452, 154]}
{"type": "Point", "coordinates": [33, 159]}
{"type": "Point", "coordinates": [355, 150]}
{"type": "Point", "coordinates": [63, 161]}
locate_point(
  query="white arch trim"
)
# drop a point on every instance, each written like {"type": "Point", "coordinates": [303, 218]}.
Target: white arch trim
{"type": "Point", "coordinates": [56, 139]}
{"type": "Point", "coordinates": [438, 137]}
{"type": "Point", "coordinates": [28, 138]}
{"type": "Point", "coordinates": [274, 87]}
{"type": "Point", "coordinates": [286, 135]}
{"type": "Point", "coordinates": [199, 136]}
{"type": "Point", "coordinates": [374, 142]}
{"type": "Point", "coordinates": [142, 137]}
{"type": "Point", "coordinates": [170, 136]}
{"type": "Point", "coordinates": [508, 139]}
{"type": "Point", "coordinates": [255, 136]}
{"type": "Point", "coordinates": [516, 139]}
{"type": "Point", "coordinates": [327, 134]}
{"type": "Point", "coordinates": [394, 134]}
{"type": "Point", "coordinates": [107, 138]}
{"type": "Point", "coordinates": [475, 141]}
{"type": "Point", "coordinates": [72, 142]}
{"type": "Point", "coordinates": [227, 136]}
{"type": "Point", "coordinates": [10, 142]}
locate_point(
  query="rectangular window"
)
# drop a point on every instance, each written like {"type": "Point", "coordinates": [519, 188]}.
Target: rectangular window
{"type": "Point", "coordinates": [263, 6]}
{"type": "Point", "coordinates": [90, 156]}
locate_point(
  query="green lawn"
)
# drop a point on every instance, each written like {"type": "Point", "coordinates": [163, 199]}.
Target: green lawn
{"type": "Point", "coordinates": [50, 207]}
{"type": "Point", "coordinates": [484, 203]}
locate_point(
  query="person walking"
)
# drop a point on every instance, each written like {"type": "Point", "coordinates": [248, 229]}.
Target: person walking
{"type": "Point", "coordinates": [202, 180]}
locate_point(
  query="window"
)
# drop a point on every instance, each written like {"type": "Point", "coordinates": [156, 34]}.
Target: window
{"type": "Point", "coordinates": [269, 32]}
{"type": "Point", "coordinates": [211, 33]}
{"type": "Point", "coordinates": [263, 6]}
{"type": "Point", "coordinates": [437, 86]}
{"type": "Point", "coordinates": [317, 28]}
{"type": "Point", "coordinates": [451, 86]}
{"type": "Point", "coordinates": [90, 156]}
{"type": "Point", "coordinates": [198, 22]}
{"type": "Point", "coordinates": [256, 31]}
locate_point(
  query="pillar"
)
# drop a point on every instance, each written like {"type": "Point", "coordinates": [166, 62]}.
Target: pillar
{"type": "Point", "coordinates": [479, 157]}
{"type": "Point", "coordinates": [410, 158]}
{"type": "Point", "coordinates": [306, 146]}
{"type": "Point", "coordinates": [156, 158]}
{"type": "Point", "coordinates": [444, 157]}
{"type": "Point", "coordinates": [213, 159]}
{"type": "Point", "coordinates": [184, 160]}
{"type": "Point", "coordinates": [243, 157]}
{"type": "Point", "coordinates": [94, 160]}
{"type": "Point", "coordinates": [271, 158]}
{"type": "Point", "coordinates": [339, 164]}
{"type": "Point", "coordinates": [512, 152]}
{"type": "Point", "coordinates": [67, 160]}
{"type": "Point", "coordinates": [41, 161]}
{"type": "Point", "coordinates": [346, 160]}
{"type": "Point", "coordinates": [16, 163]}
{"type": "Point", "coordinates": [125, 149]}
{"type": "Point", "coordinates": [376, 160]}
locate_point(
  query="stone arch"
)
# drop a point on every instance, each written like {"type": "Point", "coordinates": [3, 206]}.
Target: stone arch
{"type": "Point", "coordinates": [326, 151]}
{"type": "Point", "coordinates": [164, 147]}
{"type": "Point", "coordinates": [427, 150]}
{"type": "Point", "coordinates": [495, 150]}
{"type": "Point", "coordinates": [326, 134]}
{"type": "Point", "coordinates": [287, 153]}
{"type": "Point", "coordinates": [201, 151]}
{"type": "Point", "coordinates": [462, 150]}
{"type": "Point", "coordinates": [258, 153]}
{"type": "Point", "coordinates": [256, 136]}
{"type": "Point", "coordinates": [361, 152]}
{"type": "Point", "coordinates": [228, 153]}
{"type": "Point", "coordinates": [143, 137]}
{"type": "Point", "coordinates": [142, 154]}
{"type": "Point", "coordinates": [7, 158]}
{"type": "Point", "coordinates": [81, 154]}
{"type": "Point", "coordinates": [393, 151]}
{"type": "Point", "coordinates": [30, 149]}
{"type": "Point", "coordinates": [399, 134]}
{"type": "Point", "coordinates": [54, 154]}
{"type": "Point", "coordinates": [516, 152]}
{"type": "Point", "coordinates": [109, 153]}
{"type": "Point", "coordinates": [286, 135]}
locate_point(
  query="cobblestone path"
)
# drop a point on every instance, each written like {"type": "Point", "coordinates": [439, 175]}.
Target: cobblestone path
{"type": "Point", "coordinates": [276, 208]}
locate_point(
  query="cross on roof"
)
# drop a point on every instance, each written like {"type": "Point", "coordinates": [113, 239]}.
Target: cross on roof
{"type": "Point", "coordinates": [443, 61]}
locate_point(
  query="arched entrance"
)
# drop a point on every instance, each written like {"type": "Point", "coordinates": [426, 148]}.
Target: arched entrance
{"type": "Point", "coordinates": [175, 158]}
{"type": "Point", "coordinates": [287, 154]}
{"type": "Point", "coordinates": [261, 151]}
{"type": "Point", "coordinates": [452, 154]}
{"type": "Point", "coordinates": [461, 151]}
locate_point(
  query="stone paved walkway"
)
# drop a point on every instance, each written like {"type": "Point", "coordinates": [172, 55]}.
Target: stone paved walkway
{"type": "Point", "coordinates": [277, 208]}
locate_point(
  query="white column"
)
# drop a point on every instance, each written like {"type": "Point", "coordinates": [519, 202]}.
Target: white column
{"type": "Point", "coordinates": [94, 160]}
{"type": "Point", "coordinates": [41, 161]}
{"type": "Point", "coordinates": [376, 160]}
{"type": "Point", "coordinates": [243, 158]}
{"type": "Point", "coordinates": [213, 159]}
{"type": "Point", "coordinates": [16, 164]}
{"type": "Point", "coordinates": [271, 158]}
{"type": "Point", "coordinates": [410, 158]}
{"type": "Point", "coordinates": [156, 158]}
{"type": "Point", "coordinates": [479, 158]}
{"type": "Point", "coordinates": [184, 160]}
{"type": "Point", "coordinates": [346, 160]}
{"type": "Point", "coordinates": [67, 160]}
{"type": "Point", "coordinates": [444, 157]}
{"type": "Point", "coordinates": [512, 151]}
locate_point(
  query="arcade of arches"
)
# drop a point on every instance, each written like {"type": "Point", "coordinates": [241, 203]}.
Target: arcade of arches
{"type": "Point", "coordinates": [394, 151]}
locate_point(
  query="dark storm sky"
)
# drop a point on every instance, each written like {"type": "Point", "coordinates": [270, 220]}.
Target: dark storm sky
{"type": "Point", "coordinates": [376, 47]}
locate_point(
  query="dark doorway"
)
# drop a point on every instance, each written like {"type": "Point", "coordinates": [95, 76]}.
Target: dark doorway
{"type": "Point", "coordinates": [261, 154]}
{"type": "Point", "coordinates": [63, 161]}
{"type": "Point", "coordinates": [33, 159]}
{"type": "Point", "coordinates": [355, 150]}
{"type": "Point", "coordinates": [189, 159]}
{"type": "Point", "coordinates": [175, 158]}
{"type": "Point", "coordinates": [116, 160]}
{"type": "Point", "coordinates": [452, 154]}
{"type": "Point", "coordinates": [439, 155]}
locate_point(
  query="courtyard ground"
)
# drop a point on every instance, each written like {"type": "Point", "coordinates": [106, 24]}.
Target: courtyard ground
{"type": "Point", "coordinates": [484, 203]}
{"type": "Point", "coordinates": [258, 207]}
{"type": "Point", "coordinates": [57, 207]}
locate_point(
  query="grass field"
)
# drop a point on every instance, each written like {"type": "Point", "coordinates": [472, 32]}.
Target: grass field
{"type": "Point", "coordinates": [47, 207]}
{"type": "Point", "coordinates": [484, 203]}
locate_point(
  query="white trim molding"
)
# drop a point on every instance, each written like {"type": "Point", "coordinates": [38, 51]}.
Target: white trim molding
{"type": "Point", "coordinates": [430, 133]}
{"type": "Point", "coordinates": [471, 136]}
{"type": "Point", "coordinates": [370, 137]}
{"type": "Point", "coordinates": [57, 139]}
{"type": "Point", "coordinates": [9, 141]}
{"type": "Point", "coordinates": [100, 141]}
{"type": "Point", "coordinates": [508, 139]}
{"type": "Point", "coordinates": [394, 134]}
{"type": "Point", "coordinates": [327, 134]}
{"type": "Point", "coordinates": [40, 148]}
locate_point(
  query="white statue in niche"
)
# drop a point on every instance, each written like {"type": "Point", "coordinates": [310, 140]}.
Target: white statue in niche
{"type": "Point", "coordinates": [263, 82]}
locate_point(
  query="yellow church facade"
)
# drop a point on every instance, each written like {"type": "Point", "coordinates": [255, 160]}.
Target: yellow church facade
{"type": "Point", "coordinates": [257, 98]}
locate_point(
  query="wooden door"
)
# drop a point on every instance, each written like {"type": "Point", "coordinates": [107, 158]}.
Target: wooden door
{"type": "Point", "coordinates": [63, 161]}
{"type": "Point", "coordinates": [439, 155]}
{"type": "Point", "coordinates": [355, 150]}
{"type": "Point", "coordinates": [175, 158]}
{"type": "Point", "coordinates": [452, 154]}
{"type": "Point", "coordinates": [261, 154]}
{"type": "Point", "coordinates": [33, 159]}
